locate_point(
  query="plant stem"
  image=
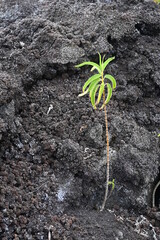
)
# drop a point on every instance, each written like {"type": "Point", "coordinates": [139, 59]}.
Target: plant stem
{"type": "Point", "coordinates": [107, 162]}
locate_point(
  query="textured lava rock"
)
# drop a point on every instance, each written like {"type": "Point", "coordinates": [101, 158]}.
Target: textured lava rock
{"type": "Point", "coordinates": [53, 143]}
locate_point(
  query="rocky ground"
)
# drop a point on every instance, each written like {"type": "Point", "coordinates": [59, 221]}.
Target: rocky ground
{"type": "Point", "coordinates": [52, 158]}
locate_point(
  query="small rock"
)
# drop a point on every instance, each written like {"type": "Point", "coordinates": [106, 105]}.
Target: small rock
{"type": "Point", "coordinates": [157, 215]}
{"type": "Point", "coordinates": [119, 234]}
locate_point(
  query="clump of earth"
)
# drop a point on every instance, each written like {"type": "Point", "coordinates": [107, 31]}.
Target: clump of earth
{"type": "Point", "coordinates": [53, 150]}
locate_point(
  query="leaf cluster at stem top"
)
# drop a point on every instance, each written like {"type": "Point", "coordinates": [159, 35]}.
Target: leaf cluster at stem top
{"type": "Point", "coordinates": [97, 83]}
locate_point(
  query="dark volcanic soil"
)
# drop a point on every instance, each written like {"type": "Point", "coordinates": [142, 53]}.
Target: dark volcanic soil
{"type": "Point", "coordinates": [52, 158]}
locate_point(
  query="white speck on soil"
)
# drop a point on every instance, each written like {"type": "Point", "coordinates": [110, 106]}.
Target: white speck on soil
{"type": "Point", "coordinates": [63, 190]}
{"type": "Point", "coordinates": [61, 194]}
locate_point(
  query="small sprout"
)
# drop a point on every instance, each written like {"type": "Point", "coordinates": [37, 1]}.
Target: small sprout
{"type": "Point", "coordinates": [112, 183]}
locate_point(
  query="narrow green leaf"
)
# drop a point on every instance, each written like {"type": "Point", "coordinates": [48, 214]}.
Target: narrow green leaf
{"type": "Point", "coordinates": [89, 63]}
{"type": "Point", "coordinates": [158, 135]}
{"type": "Point", "coordinates": [112, 79]}
{"type": "Point", "coordinates": [84, 93]}
{"type": "Point", "coordinates": [93, 95]}
{"type": "Point", "coordinates": [100, 92]}
{"type": "Point", "coordinates": [109, 95]}
{"type": "Point", "coordinates": [92, 69]}
{"type": "Point", "coordinates": [93, 84]}
{"type": "Point", "coordinates": [91, 79]}
{"type": "Point", "coordinates": [107, 62]}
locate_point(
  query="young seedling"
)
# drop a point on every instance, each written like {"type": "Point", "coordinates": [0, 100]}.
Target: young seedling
{"type": "Point", "coordinates": [96, 86]}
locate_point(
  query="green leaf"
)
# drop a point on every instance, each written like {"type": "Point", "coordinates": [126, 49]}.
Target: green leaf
{"type": "Point", "coordinates": [93, 84]}
{"type": "Point", "coordinates": [91, 79]}
{"type": "Point", "coordinates": [100, 92]}
{"type": "Point", "coordinates": [158, 135]}
{"type": "Point", "coordinates": [109, 95]}
{"type": "Point", "coordinates": [112, 79]}
{"type": "Point", "coordinates": [93, 95]}
{"type": "Point", "coordinates": [84, 93]}
{"type": "Point", "coordinates": [89, 63]}
{"type": "Point", "coordinates": [107, 62]}
{"type": "Point", "coordinates": [92, 69]}
{"type": "Point", "coordinates": [112, 183]}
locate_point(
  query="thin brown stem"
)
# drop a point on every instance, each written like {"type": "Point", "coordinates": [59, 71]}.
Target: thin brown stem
{"type": "Point", "coordinates": [107, 160]}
